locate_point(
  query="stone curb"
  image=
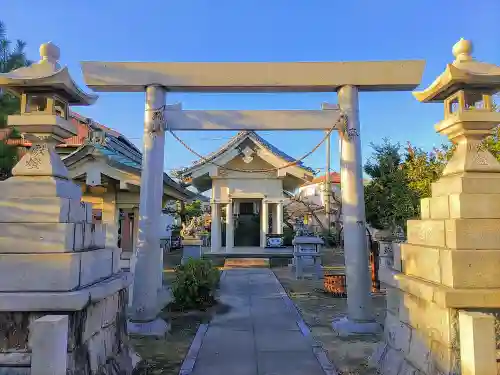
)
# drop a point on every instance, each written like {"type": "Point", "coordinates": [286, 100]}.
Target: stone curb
{"type": "Point", "coordinates": [319, 352]}
{"type": "Point", "coordinates": [190, 359]}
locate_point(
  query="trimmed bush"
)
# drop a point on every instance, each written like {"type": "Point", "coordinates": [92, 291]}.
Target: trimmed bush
{"type": "Point", "coordinates": [195, 284]}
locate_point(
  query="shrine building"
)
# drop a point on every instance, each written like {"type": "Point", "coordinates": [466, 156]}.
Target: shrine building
{"type": "Point", "coordinates": [248, 177]}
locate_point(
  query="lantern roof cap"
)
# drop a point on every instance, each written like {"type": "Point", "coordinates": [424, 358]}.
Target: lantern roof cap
{"type": "Point", "coordinates": [464, 72]}
{"type": "Point", "coordinates": [46, 76]}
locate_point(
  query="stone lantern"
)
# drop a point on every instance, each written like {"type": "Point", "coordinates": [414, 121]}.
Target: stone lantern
{"type": "Point", "coordinates": [443, 295]}
{"type": "Point", "coordinates": [46, 90]}
{"type": "Point", "coordinates": [61, 288]}
{"type": "Point", "coordinates": [466, 88]}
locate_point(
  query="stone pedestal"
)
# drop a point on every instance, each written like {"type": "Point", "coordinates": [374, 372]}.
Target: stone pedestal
{"type": "Point", "coordinates": [448, 266]}
{"type": "Point", "coordinates": [54, 261]}
{"type": "Point", "coordinates": [191, 249]}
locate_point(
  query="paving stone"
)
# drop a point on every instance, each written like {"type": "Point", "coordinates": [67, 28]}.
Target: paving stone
{"type": "Point", "coordinates": [259, 335]}
{"type": "Point", "coordinates": [288, 363]}
{"type": "Point", "coordinates": [274, 323]}
{"type": "Point", "coordinates": [271, 305]}
{"type": "Point", "coordinates": [235, 324]}
{"type": "Point", "coordinates": [281, 341]}
{"type": "Point", "coordinates": [223, 342]}
{"type": "Point", "coordinates": [222, 366]}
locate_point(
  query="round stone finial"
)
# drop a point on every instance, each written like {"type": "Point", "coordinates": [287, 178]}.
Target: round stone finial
{"type": "Point", "coordinates": [462, 50]}
{"type": "Point", "coordinates": [50, 52]}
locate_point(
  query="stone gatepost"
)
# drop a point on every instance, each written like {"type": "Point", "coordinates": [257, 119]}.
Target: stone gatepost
{"type": "Point", "coordinates": [444, 302]}
{"type": "Point", "coordinates": [53, 259]}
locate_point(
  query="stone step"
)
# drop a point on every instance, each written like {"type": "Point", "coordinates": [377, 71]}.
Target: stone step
{"type": "Point", "coordinates": [246, 263]}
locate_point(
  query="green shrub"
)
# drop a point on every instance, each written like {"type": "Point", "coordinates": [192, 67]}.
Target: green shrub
{"type": "Point", "coordinates": [195, 284]}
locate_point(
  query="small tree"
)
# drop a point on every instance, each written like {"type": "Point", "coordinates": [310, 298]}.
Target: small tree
{"type": "Point", "coordinates": [192, 209]}
{"type": "Point", "coordinates": [422, 168]}
{"type": "Point", "coordinates": [492, 143]}
{"type": "Point", "coordinates": [10, 58]}
{"type": "Point", "coordinates": [389, 200]}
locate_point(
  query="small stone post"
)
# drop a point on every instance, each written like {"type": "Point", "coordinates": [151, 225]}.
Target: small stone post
{"type": "Point", "coordinates": [478, 345]}
{"type": "Point", "coordinates": [49, 345]}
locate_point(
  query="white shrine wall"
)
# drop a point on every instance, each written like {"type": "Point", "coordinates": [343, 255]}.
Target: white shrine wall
{"type": "Point", "coordinates": [246, 185]}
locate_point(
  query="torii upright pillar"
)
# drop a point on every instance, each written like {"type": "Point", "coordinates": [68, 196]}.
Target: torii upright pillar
{"type": "Point", "coordinates": [359, 317]}
{"type": "Point", "coordinates": [148, 257]}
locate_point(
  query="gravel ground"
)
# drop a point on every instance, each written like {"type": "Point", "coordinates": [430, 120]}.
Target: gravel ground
{"type": "Point", "coordinates": [165, 356]}
{"type": "Point", "coordinates": [319, 309]}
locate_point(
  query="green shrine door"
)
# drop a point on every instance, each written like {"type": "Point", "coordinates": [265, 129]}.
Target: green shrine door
{"type": "Point", "coordinates": [247, 226]}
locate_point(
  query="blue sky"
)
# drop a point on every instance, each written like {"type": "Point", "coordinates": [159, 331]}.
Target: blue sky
{"type": "Point", "coordinates": [261, 30]}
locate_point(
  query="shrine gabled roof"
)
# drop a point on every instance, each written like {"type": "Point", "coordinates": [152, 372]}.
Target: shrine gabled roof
{"type": "Point", "coordinates": [120, 153]}
{"type": "Point", "coordinates": [240, 137]}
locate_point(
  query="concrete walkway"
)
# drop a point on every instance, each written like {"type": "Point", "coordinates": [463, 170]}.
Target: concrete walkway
{"type": "Point", "coordinates": [262, 334]}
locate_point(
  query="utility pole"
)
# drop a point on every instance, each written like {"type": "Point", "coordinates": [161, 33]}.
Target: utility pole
{"type": "Point", "coordinates": [327, 186]}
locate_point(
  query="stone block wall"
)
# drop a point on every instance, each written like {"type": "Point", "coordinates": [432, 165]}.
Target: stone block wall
{"type": "Point", "coordinates": [37, 256]}
{"type": "Point", "coordinates": [422, 331]}
{"type": "Point", "coordinates": [54, 261]}
{"type": "Point", "coordinates": [420, 337]}
{"type": "Point", "coordinates": [97, 339]}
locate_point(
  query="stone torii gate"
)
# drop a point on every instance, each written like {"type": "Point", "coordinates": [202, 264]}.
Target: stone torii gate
{"type": "Point", "coordinates": [347, 79]}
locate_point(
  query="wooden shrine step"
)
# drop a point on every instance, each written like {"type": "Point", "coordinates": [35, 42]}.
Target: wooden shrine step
{"type": "Point", "coordinates": [246, 263]}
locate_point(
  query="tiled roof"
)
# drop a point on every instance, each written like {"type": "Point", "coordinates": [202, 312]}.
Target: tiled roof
{"type": "Point", "coordinates": [114, 146]}
{"type": "Point", "coordinates": [4, 133]}
{"type": "Point", "coordinates": [334, 179]}
{"type": "Point", "coordinates": [239, 138]}
{"type": "Point", "coordinates": [119, 151]}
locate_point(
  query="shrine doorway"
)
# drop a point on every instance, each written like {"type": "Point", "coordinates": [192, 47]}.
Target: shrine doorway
{"type": "Point", "coordinates": [246, 224]}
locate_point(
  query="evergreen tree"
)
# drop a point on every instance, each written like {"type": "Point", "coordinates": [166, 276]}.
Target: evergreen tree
{"type": "Point", "coordinates": [11, 57]}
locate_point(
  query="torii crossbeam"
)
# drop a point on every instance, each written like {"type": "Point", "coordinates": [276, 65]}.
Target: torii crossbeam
{"type": "Point", "coordinates": [345, 78]}
{"type": "Point", "coordinates": [177, 119]}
